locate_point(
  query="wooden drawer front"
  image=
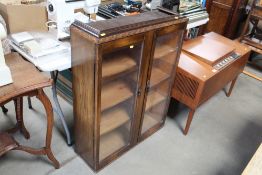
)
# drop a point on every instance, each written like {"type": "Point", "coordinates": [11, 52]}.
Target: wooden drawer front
{"type": "Point", "coordinates": [224, 77]}
{"type": "Point", "coordinates": [218, 18]}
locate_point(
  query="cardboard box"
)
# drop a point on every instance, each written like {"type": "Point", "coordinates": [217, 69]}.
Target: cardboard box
{"type": "Point", "coordinates": [20, 17]}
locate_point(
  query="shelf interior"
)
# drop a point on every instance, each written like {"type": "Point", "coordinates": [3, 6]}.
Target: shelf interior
{"type": "Point", "coordinates": [114, 140]}
{"type": "Point", "coordinates": [169, 58]}
{"type": "Point", "coordinates": [148, 122]}
{"type": "Point", "coordinates": [252, 42]}
{"type": "Point", "coordinates": [163, 50]}
{"type": "Point", "coordinates": [117, 64]}
{"type": "Point", "coordinates": [153, 99]}
{"type": "Point", "coordinates": [113, 119]}
{"type": "Point", "coordinates": [154, 116]}
{"type": "Point", "coordinates": [114, 93]}
{"type": "Point", "coordinates": [157, 76]}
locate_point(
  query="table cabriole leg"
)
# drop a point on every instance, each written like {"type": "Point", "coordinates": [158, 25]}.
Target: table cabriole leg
{"type": "Point", "coordinates": [18, 102]}
{"type": "Point", "coordinates": [50, 121]}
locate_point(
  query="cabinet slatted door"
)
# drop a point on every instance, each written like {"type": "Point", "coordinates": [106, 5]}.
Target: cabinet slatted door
{"type": "Point", "coordinates": [120, 69]}
{"type": "Point", "coordinates": [225, 16]}
{"type": "Point", "coordinates": [160, 80]}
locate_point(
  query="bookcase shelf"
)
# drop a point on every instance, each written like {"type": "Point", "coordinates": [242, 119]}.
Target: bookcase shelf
{"type": "Point", "coordinates": [157, 77]}
{"type": "Point", "coordinates": [148, 122]}
{"type": "Point", "coordinates": [163, 50]}
{"type": "Point", "coordinates": [169, 58]}
{"type": "Point", "coordinates": [113, 119]}
{"type": "Point", "coordinates": [113, 141]}
{"type": "Point", "coordinates": [153, 99]}
{"type": "Point", "coordinates": [119, 64]}
{"type": "Point", "coordinates": [114, 93]}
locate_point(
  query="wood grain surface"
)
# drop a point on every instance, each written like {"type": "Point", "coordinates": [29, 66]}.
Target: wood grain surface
{"type": "Point", "coordinates": [197, 81]}
{"type": "Point", "coordinates": [114, 93]}
{"type": "Point", "coordinates": [22, 70]}
{"type": "Point", "coordinates": [117, 64]}
{"type": "Point", "coordinates": [113, 118]}
{"type": "Point", "coordinates": [207, 50]}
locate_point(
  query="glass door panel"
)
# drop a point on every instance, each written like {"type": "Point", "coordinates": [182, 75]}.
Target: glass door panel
{"type": "Point", "coordinates": [120, 70]}
{"type": "Point", "coordinates": [161, 79]}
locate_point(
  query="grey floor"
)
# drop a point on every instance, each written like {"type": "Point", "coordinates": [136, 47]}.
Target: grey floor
{"type": "Point", "coordinates": [223, 136]}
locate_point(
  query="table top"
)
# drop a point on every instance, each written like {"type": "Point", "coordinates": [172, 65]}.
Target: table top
{"type": "Point", "coordinates": [25, 78]}
{"type": "Point", "coordinates": [197, 23]}
{"type": "Point", "coordinates": [59, 61]}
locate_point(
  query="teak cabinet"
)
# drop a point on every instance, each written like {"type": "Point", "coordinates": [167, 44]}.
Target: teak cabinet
{"type": "Point", "coordinates": [225, 16]}
{"type": "Point", "coordinates": [123, 71]}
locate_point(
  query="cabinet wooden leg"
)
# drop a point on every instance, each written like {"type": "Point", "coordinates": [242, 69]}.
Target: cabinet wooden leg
{"type": "Point", "coordinates": [50, 122]}
{"type": "Point", "coordinates": [189, 120]}
{"type": "Point", "coordinates": [231, 87]}
{"type": "Point", "coordinates": [19, 118]}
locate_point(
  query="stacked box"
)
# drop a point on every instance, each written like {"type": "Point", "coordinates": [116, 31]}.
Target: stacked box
{"type": "Point", "coordinates": [64, 85]}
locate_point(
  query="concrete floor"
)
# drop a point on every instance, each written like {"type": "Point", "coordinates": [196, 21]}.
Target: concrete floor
{"type": "Point", "coordinates": [223, 136]}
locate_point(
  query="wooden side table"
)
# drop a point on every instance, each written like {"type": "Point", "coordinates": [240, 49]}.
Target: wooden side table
{"type": "Point", "coordinates": [207, 64]}
{"type": "Point", "coordinates": [27, 82]}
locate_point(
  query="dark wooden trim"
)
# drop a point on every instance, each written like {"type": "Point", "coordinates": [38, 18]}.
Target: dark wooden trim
{"type": "Point", "coordinates": [98, 89]}
{"type": "Point", "coordinates": [109, 46]}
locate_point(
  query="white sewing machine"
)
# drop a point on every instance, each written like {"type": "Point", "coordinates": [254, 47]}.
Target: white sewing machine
{"type": "Point", "coordinates": [5, 74]}
{"type": "Point", "coordinates": [153, 4]}
{"type": "Point", "coordinates": [62, 13]}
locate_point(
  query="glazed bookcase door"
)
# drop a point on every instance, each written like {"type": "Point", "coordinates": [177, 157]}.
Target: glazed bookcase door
{"type": "Point", "coordinates": [161, 78]}
{"type": "Point", "coordinates": [119, 87]}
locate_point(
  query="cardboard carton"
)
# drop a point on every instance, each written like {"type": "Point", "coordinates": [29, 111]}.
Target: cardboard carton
{"type": "Point", "coordinates": [20, 17]}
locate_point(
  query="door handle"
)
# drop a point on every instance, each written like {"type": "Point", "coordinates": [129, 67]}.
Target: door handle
{"type": "Point", "coordinates": [147, 85]}
{"type": "Point", "coordinates": [139, 92]}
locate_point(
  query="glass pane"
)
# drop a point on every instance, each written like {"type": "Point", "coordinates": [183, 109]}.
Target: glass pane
{"type": "Point", "coordinates": [161, 79]}
{"type": "Point", "coordinates": [119, 86]}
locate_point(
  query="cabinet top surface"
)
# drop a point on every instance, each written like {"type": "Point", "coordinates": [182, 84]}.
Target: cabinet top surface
{"type": "Point", "coordinates": [207, 49]}
{"type": "Point", "coordinates": [122, 24]}
{"type": "Point", "coordinates": [201, 69]}
{"type": "Point", "coordinates": [238, 47]}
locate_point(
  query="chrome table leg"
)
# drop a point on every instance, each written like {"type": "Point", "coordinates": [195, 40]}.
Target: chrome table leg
{"type": "Point", "coordinates": [58, 109]}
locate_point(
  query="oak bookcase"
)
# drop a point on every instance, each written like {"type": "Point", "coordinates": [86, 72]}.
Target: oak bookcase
{"type": "Point", "coordinates": [123, 72]}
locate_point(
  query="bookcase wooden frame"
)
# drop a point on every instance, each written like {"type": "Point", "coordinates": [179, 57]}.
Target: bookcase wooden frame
{"type": "Point", "coordinates": [93, 120]}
